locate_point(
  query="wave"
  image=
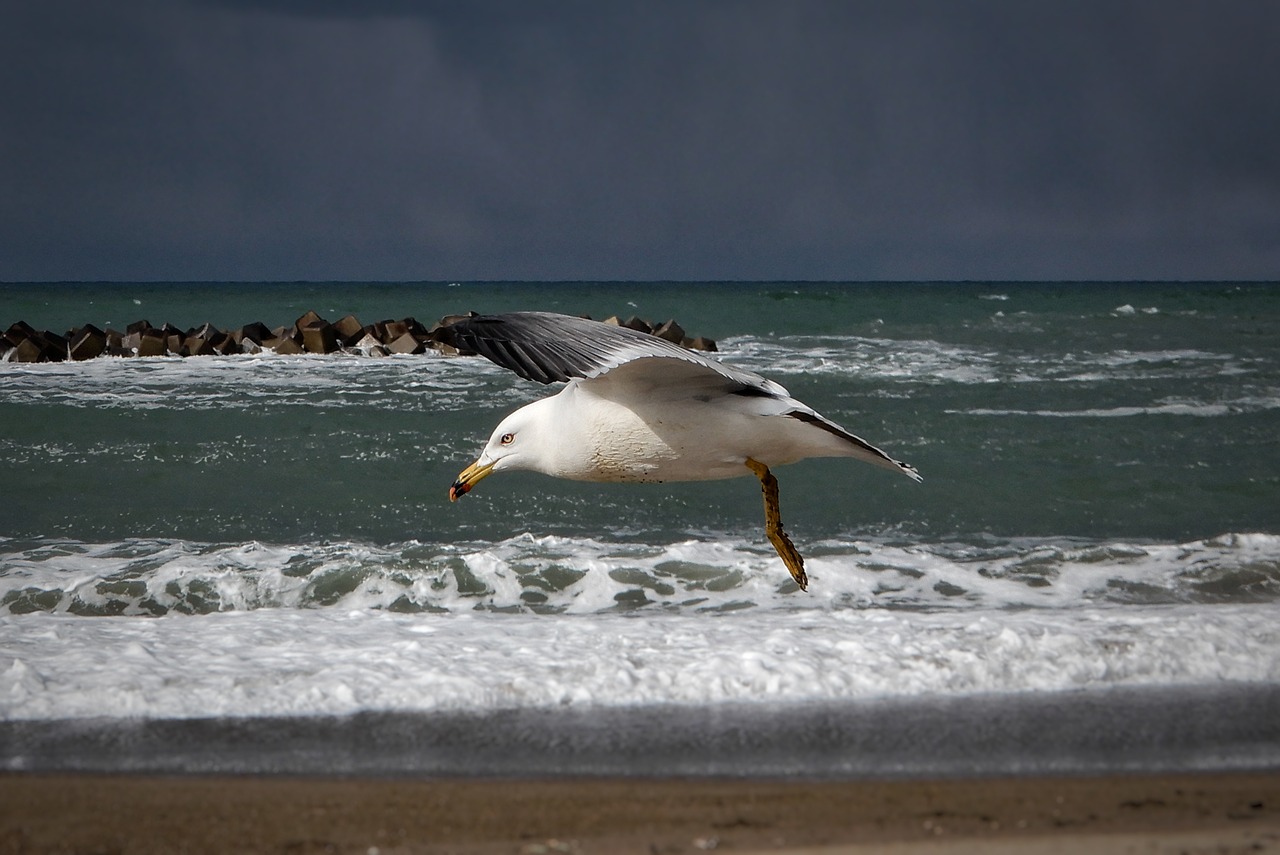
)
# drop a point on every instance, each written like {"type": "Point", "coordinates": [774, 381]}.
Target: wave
{"type": "Point", "coordinates": [1236, 406]}
{"type": "Point", "coordinates": [934, 362]}
{"type": "Point", "coordinates": [419, 383]}
{"type": "Point", "coordinates": [570, 575]}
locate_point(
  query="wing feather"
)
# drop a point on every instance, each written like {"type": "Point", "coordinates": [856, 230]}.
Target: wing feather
{"type": "Point", "coordinates": [548, 348]}
{"type": "Point", "coordinates": [865, 451]}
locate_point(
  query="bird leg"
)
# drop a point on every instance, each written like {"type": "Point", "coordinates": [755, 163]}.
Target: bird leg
{"type": "Point", "coordinates": [773, 524]}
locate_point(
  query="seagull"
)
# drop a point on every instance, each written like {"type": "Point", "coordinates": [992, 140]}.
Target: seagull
{"type": "Point", "coordinates": [637, 408]}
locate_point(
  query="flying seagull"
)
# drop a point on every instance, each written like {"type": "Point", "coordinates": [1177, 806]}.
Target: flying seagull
{"type": "Point", "coordinates": [641, 409]}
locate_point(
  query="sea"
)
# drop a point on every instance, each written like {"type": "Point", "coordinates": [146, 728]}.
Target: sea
{"type": "Point", "coordinates": [250, 564]}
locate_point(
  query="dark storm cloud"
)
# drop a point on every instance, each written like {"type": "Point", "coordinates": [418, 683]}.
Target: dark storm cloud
{"type": "Point", "coordinates": [391, 139]}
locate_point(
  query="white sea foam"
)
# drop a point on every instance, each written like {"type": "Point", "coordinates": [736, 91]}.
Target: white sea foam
{"type": "Point", "coordinates": [339, 661]}
{"type": "Point", "coordinates": [873, 358]}
{"type": "Point", "coordinates": [934, 362]}
{"type": "Point", "coordinates": [1167, 407]}
{"type": "Point", "coordinates": [245, 382]}
{"type": "Point", "coordinates": [1128, 309]}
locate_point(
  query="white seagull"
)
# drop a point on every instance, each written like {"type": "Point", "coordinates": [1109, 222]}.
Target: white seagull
{"type": "Point", "coordinates": [638, 408]}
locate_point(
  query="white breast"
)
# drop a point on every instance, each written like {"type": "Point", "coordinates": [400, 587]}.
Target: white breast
{"type": "Point", "coordinates": [613, 442]}
{"type": "Point", "coordinates": [645, 440]}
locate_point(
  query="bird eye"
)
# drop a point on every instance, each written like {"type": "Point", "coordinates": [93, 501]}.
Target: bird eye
{"type": "Point", "coordinates": [507, 438]}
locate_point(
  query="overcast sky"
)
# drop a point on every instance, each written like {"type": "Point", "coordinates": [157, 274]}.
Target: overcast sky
{"type": "Point", "coordinates": [386, 139]}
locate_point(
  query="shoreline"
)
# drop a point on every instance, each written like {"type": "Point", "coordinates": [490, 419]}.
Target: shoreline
{"type": "Point", "coordinates": [1218, 812]}
{"type": "Point", "coordinates": [1113, 730]}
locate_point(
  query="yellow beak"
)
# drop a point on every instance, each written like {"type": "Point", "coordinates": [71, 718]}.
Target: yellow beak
{"type": "Point", "coordinates": [468, 478]}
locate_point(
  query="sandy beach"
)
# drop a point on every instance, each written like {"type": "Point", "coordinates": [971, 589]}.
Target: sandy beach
{"type": "Point", "coordinates": [1219, 813]}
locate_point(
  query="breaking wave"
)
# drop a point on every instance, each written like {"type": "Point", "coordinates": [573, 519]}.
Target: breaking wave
{"type": "Point", "coordinates": [934, 362]}
{"type": "Point", "coordinates": [569, 575]}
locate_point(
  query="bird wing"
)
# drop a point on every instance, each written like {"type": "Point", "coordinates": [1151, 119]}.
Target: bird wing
{"type": "Point", "coordinates": [549, 348]}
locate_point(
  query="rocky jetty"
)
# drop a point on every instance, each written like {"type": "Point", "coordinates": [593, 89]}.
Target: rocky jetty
{"type": "Point", "coordinates": [310, 333]}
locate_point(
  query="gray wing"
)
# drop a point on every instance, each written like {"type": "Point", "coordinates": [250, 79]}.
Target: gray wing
{"type": "Point", "coordinates": [549, 347]}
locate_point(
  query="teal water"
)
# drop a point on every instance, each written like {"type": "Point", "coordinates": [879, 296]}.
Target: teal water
{"type": "Point", "coordinates": [249, 536]}
{"type": "Point", "coordinates": [1099, 411]}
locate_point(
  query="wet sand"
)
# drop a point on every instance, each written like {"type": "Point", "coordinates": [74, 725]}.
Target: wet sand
{"type": "Point", "coordinates": [1185, 813]}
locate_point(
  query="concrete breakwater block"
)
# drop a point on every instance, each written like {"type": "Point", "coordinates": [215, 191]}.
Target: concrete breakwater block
{"type": "Point", "coordinates": [319, 337]}
{"type": "Point", "coordinates": [670, 330]}
{"type": "Point", "coordinates": [309, 334]}
{"type": "Point", "coordinates": [88, 342]}
{"type": "Point", "coordinates": [348, 330]}
{"type": "Point", "coordinates": [22, 343]}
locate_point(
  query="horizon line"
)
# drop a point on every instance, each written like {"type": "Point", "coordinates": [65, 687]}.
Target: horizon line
{"type": "Point", "coordinates": [767, 281]}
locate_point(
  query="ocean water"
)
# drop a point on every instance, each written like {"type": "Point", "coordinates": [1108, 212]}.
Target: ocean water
{"type": "Point", "coordinates": [257, 539]}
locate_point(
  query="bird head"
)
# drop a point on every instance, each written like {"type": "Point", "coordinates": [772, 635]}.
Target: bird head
{"type": "Point", "coordinates": [515, 444]}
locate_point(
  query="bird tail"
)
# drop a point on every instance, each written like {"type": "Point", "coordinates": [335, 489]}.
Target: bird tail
{"type": "Point", "coordinates": [859, 448]}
